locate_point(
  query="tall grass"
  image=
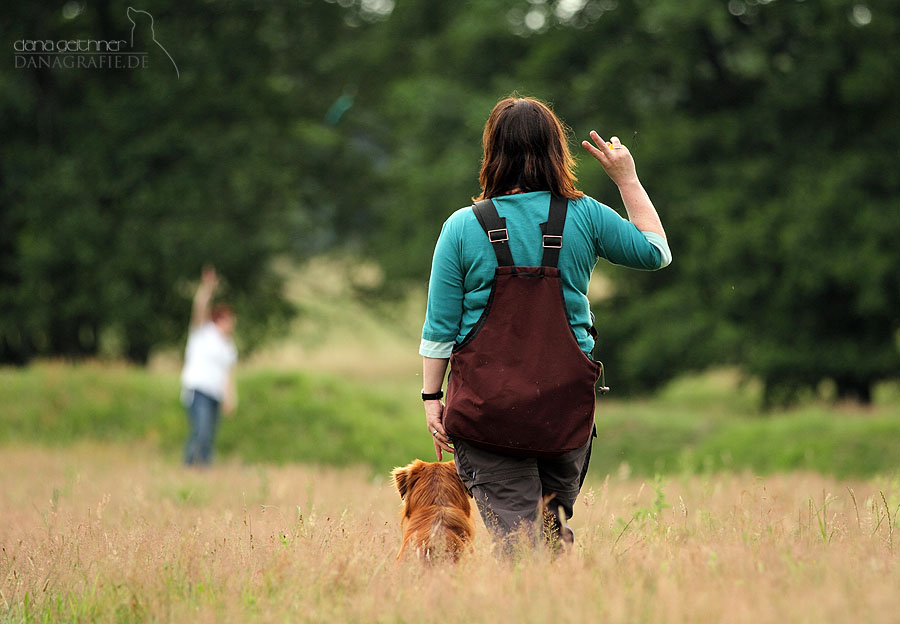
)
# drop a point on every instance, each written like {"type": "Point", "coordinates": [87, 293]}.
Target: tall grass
{"type": "Point", "coordinates": [296, 521]}
{"type": "Point", "coordinates": [115, 534]}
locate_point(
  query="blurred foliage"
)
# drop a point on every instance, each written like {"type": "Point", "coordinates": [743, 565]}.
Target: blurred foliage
{"type": "Point", "coordinates": [118, 185]}
{"type": "Point", "coordinates": [772, 166]}
{"type": "Point", "coordinates": [763, 129]}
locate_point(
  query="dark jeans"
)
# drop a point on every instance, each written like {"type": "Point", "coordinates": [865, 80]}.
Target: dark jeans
{"type": "Point", "coordinates": [511, 491]}
{"type": "Point", "coordinates": [203, 416]}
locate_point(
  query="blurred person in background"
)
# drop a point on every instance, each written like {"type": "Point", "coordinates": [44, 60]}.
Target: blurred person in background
{"type": "Point", "coordinates": [207, 380]}
{"type": "Point", "coordinates": [508, 311]}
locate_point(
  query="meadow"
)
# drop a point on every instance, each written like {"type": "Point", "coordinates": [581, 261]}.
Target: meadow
{"type": "Point", "coordinates": [698, 506]}
{"type": "Point", "coordinates": [116, 533]}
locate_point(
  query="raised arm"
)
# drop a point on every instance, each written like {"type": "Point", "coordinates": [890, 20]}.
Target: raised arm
{"type": "Point", "coordinates": [202, 298]}
{"type": "Point", "coordinates": [619, 166]}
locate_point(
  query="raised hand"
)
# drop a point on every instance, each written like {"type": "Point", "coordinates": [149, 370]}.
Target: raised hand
{"type": "Point", "coordinates": [209, 278]}
{"type": "Point", "coordinates": [614, 157]}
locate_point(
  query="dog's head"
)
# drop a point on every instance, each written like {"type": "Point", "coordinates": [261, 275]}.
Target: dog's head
{"type": "Point", "coordinates": [422, 484]}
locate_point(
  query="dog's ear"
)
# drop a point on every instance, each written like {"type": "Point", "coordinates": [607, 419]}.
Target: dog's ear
{"type": "Point", "coordinates": [401, 479]}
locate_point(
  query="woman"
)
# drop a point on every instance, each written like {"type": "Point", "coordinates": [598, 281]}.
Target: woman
{"type": "Point", "coordinates": [519, 409]}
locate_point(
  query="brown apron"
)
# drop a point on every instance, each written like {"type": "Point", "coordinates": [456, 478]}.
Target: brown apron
{"type": "Point", "coordinates": [519, 383]}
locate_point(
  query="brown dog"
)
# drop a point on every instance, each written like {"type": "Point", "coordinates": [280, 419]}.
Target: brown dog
{"type": "Point", "coordinates": [437, 515]}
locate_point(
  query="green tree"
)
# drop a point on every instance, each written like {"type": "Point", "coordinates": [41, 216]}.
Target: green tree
{"type": "Point", "coordinates": [779, 197]}
{"type": "Point", "coordinates": [762, 129]}
{"type": "Point", "coordinates": [117, 185]}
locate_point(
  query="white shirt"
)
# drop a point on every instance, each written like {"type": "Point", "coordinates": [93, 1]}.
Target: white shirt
{"type": "Point", "coordinates": [208, 359]}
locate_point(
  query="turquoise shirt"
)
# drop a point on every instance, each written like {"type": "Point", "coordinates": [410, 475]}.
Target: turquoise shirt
{"type": "Point", "coordinates": [462, 271]}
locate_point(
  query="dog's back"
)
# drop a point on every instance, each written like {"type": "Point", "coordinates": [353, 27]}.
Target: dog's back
{"type": "Point", "coordinates": [437, 514]}
{"type": "Point", "coordinates": [435, 531]}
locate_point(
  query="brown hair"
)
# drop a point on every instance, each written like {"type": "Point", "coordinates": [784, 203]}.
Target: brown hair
{"type": "Point", "coordinates": [220, 310]}
{"type": "Point", "coordinates": [526, 148]}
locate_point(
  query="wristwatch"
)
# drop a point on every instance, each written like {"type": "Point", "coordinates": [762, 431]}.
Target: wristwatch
{"type": "Point", "coordinates": [433, 396]}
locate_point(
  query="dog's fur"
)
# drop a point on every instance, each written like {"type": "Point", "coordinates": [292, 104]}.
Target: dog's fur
{"type": "Point", "coordinates": [437, 515]}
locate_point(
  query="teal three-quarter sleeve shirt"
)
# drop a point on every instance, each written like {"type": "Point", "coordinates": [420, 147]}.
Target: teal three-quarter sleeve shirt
{"type": "Point", "coordinates": [462, 270]}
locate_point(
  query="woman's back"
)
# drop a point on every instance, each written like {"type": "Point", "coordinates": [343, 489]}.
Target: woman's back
{"type": "Point", "coordinates": [464, 262]}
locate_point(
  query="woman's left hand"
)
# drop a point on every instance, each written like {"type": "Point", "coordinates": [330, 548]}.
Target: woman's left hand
{"type": "Point", "coordinates": [434, 417]}
{"type": "Point", "coordinates": [614, 157]}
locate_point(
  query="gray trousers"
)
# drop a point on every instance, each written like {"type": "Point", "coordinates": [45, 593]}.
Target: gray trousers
{"type": "Point", "coordinates": [511, 491]}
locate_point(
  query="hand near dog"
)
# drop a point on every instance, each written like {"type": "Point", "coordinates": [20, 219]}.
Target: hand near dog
{"type": "Point", "coordinates": [433, 372]}
{"type": "Point", "coordinates": [434, 416]}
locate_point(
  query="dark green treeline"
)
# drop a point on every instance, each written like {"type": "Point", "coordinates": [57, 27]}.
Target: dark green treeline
{"type": "Point", "coordinates": [765, 131]}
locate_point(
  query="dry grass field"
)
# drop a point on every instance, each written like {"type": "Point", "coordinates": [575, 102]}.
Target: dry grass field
{"type": "Point", "coordinates": [114, 534]}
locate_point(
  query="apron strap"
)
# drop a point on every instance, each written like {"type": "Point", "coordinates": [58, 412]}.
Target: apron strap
{"type": "Point", "coordinates": [552, 230]}
{"type": "Point", "coordinates": [495, 228]}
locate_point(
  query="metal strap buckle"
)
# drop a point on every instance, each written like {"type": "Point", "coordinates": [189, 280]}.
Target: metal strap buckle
{"type": "Point", "coordinates": [504, 233]}
{"type": "Point", "coordinates": [556, 241]}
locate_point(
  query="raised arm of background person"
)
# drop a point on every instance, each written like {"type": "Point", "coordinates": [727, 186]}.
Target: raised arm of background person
{"type": "Point", "coordinates": [619, 166]}
{"type": "Point", "coordinates": [433, 371]}
{"type": "Point", "coordinates": [201, 308]}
